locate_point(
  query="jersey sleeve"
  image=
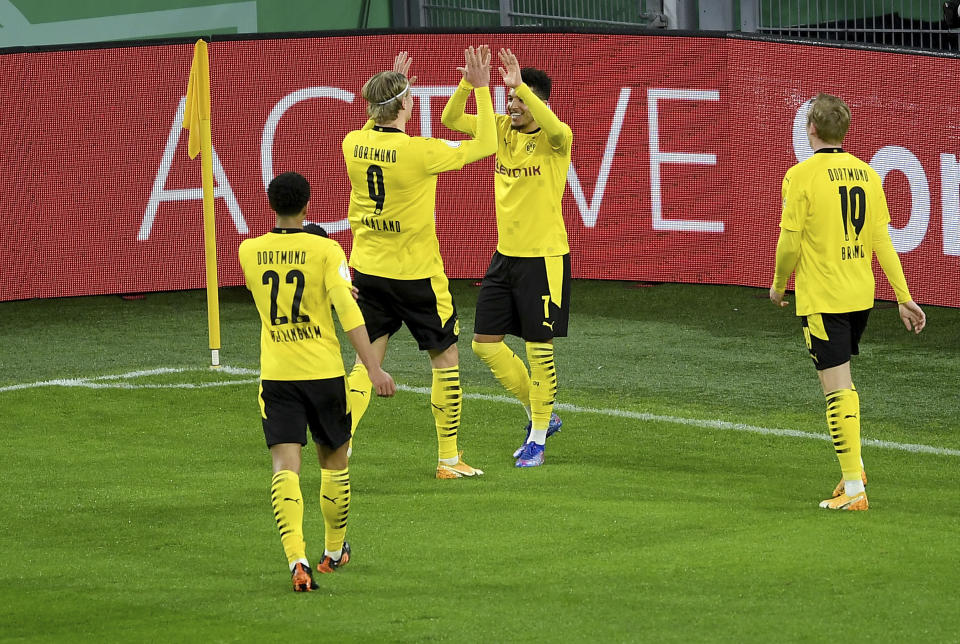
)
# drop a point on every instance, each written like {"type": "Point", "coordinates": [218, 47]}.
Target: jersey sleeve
{"type": "Point", "coordinates": [440, 155]}
{"type": "Point", "coordinates": [788, 252]}
{"type": "Point", "coordinates": [886, 254]}
{"type": "Point", "coordinates": [337, 281]}
{"type": "Point", "coordinates": [454, 115]}
{"type": "Point", "coordinates": [243, 253]}
{"type": "Point", "coordinates": [558, 133]}
{"type": "Point", "coordinates": [794, 204]}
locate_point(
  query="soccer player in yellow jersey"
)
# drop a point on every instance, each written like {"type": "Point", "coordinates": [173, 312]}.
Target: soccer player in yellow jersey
{"type": "Point", "coordinates": [396, 255]}
{"type": "Point", "coordinates": [294, 277]}
{"type": "Point", "coordinates": [834, 219]}
{"type": "Point", "coordinates": [526, 290]}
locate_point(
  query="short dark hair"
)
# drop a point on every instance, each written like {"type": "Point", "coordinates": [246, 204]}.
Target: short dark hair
{"type": "Point", "coordinates": [288, 193]}
{"type": "Point", "coordinates": [537, 80]}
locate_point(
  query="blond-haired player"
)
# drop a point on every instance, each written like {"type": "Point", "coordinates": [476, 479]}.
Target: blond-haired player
{"type": "Point", "coordinates": [396, 255]}
{"type": "Point", "coordinates": [834, 220]}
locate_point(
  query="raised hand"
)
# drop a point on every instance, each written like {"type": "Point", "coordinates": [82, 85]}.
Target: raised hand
{"type": "Point", "coordinates": [401, 64]}
{"type": "Point", "coordinates": [476, 70]}
{"type": "Point", "coordinates": [510, 70]}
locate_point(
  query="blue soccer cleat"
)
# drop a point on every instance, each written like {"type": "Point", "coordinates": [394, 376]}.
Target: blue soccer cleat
{"type": "Point", "coordinates": [552, 428]}
{"type": "Point", "coordinates": [531, 455]}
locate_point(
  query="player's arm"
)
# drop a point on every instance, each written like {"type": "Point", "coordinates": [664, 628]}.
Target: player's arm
{"type": "Point", "coordinates": [912, 315]}
{"type": "Point", "coordinates": [352, 322]}
{"type": "Point", "coordinates": [382, 381]}
{"type": "Point", "coordinates": [340, 294]}
{"type": "Point", "coordinates": [558, 133]}
{"type": "Point", "coordinates": [440, 155]}
{"type": "Point", "coordinates": [788, 254]}
{"type": "Point", "coordinates": [788, 244]}
{"type": "Point", "coordinates": [454, 115]}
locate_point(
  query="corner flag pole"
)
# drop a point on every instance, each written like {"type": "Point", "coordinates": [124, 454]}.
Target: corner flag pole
{"type": "Point", "coordinates": [196, 119]}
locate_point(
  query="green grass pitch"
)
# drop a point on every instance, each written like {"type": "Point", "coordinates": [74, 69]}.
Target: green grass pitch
{"type": "Point", "coordinates": [137, 508]}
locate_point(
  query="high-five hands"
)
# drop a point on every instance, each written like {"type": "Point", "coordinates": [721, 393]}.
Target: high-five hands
{"type": "Point", "coordinates": [476, 71]}
{"type": "Point", "coordinates": [401, 64]}
{"type": "Point", "coordinates": [510, 70]}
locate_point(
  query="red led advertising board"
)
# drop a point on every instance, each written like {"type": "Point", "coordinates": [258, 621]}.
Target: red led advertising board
{"type": "Point", "coordinates": [680, 145]}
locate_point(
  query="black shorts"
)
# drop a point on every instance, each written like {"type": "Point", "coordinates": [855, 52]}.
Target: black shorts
{"type": "Point", "coordinates": [288, 407]}
{"type": "Point", "coordinates": [528, 297]}
{"type": "Point", "coordinates": [424, 305]}
{"type": "Point", "coordinates": [833, 337]}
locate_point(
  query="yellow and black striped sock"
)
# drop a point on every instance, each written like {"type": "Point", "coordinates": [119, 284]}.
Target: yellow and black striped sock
{"type": "Point", "coordinates": [288, 511]}
{"type": "Point", "coordinates": [446, 399]}
{"type": "Point", "coordinates": [335, 506]}
{"type": "Point", "coordinates": [359, 390]}
{"type": "Point", "coordinates": [843, 420]}
{"type": "Point", "coordinates": [507, 368]}
{"type": "Point", "coordinates": [543, 383]}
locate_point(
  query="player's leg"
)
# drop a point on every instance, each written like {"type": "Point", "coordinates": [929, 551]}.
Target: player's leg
{"type": "Point", "coordinates": [830, 343]}
{"type": "Point", "coordinates": [377, 301]}
{"type": "Point", "coordinates": [543, 301]}
{"type": "Point", "coordinates": [431, 316]}
{"type": "Point", "coordinates": [330, 427]}
{"type": "Point", "coordinates": [284, 427]}
{"type": "Point", "coordinates": [335, 506]}
{"type": "Point", "coordinates": [360, 389]}
{"type": "Point", "coordinates": [495, 317]}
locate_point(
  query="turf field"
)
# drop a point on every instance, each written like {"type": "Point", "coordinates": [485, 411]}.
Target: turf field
{"type": "Point", "coordinates": [679, 503]}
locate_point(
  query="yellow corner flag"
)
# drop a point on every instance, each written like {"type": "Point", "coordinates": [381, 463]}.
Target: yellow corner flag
{"type": "Point", "coordinates": [196, 118]}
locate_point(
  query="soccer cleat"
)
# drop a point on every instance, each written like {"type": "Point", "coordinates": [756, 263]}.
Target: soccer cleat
{"type": "Point", "coordinates": [531, 455]}
{"type": "Point", "coordinates": [844, 502]}
{"type": "Point", "coordinates": [552, 428]}
{"type": "Point", "coordinates": [457, 471]}
{"type": "Point", "coordinates": [837, 491]}
{"type": "Point", "coordinates": [303, 578]}
{"type": "Point", "coordinates": [329, 565]}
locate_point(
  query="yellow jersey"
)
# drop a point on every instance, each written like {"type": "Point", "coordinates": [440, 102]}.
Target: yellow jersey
{"type": "Point", "coordinates": [530, 175]}
{"type": "Point", "coordinates": [393, 180]}
{"type": "Point", "coordinates": [837, 204]}
{"type": "Point", "coordinates": [293, 276]}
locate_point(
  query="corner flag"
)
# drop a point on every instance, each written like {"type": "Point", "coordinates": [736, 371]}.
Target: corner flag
{"type": "Point", "coordinates": [196, 119]}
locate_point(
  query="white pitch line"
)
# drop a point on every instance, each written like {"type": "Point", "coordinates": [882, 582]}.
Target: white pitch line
{"type": "Point", "coordinates": [707, 424]}
{"type": "Point", "coordinates": [104, 382]}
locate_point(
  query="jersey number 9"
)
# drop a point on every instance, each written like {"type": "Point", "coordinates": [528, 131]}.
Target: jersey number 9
{"type": "Point", "coordinates": [376, 188]}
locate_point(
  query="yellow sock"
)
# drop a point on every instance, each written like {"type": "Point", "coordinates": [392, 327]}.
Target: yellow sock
{"type": "Point", "coordinates": [507, 368]}
{"type": "Point", "coordinates": [288, 510]}
{"type": "Point", "coordinates": [335, 506]}
{"type": "Point", "coordinates": [445, 401]}
{"type": "Point", "coordinates": [359, 389]}
{"type": "Point", "coordinates": [543, 383]}
{"type": "Point", "coordinates": [843, 420]}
